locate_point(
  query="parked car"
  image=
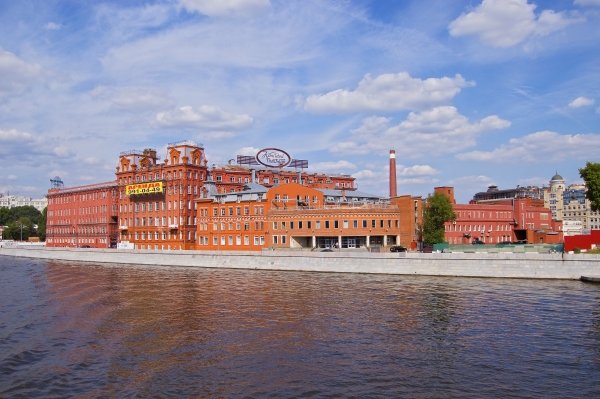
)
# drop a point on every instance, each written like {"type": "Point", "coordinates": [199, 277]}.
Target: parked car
{"type": "Point", "coordinates": [427, 248]}
{"type": "Point", "coordinates": [397, 248]}
{"type": "Point", "coordinates": [477, 242]}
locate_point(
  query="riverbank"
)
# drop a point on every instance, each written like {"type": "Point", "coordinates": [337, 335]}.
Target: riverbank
{"type": "Point", "coordinates": [498, 265]}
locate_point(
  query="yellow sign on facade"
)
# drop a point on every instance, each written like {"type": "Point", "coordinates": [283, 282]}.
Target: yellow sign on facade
{"type": "Point", "coordinates": [144, 188]}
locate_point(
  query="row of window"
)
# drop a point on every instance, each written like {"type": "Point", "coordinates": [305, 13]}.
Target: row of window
{"type": "Point", "coordinates": [483, 214]}
{"type": "Point", "coordinates": [336, 224]}
{"type": "Point", "coordinates": [80, 230]}
{"type": "Point", "coordinates": [159, 236]}
{"type": "Point", "coordinates": [65, 199]}
{"type": "Point", "coordinates": [231, 240]}
{"type": "Point", "coordinates": [476, 227]}
{"type": "Point", "coordinates": [140, 178]}
{"type": "Point", "coordinates": [81, 221]}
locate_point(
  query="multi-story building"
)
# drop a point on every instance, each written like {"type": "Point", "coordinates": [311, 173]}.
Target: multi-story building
{"type": "Point", "coordinates": [155, 201]}
{"type": "Point", "coordinates": [298, 217]}
{"type": "Point", "coordinates": [577, 211]}
{"type": "Point", "coordinates": [84, 216]}
{"type": "Point", "coordinates": [501, 220]}
{"type": "Point", "coordinates": [493, 193]}
{"type": "Point", "coordinates": [12, 201]}
{"type": "Point", "coordinates": [553, 196]}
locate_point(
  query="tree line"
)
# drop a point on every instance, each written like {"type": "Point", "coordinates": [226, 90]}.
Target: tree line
{"type": "Point", "coordinates": [22, 222]}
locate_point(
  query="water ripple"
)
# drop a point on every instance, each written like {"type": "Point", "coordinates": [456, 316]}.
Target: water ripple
{"type": "Point", "coordinates": [97, 331]}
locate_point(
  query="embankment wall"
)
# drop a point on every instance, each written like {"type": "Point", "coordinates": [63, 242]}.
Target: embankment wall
{"type": "Point", "coordinates": [501, 265]}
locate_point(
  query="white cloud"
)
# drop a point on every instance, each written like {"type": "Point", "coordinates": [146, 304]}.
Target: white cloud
{"type": "Point", "coordinates": [581, 102]}
{"type": "Point", "coordinates": [506, 23]}
{"type": "Point", "coordinates": [436, 131]}
{"type": "Point", "coordinates": [333, 166]}
{"type": "Point", "coordinates": [133, 98]}
{"type": "Point", "coordinates": [221, 8]}
{"type": "Point", "coordinates": [16, 136]}
{"type": "Point", "coordinates": [389, 92]}
{"type": "Point", "coordinates": [204, 117]}
{"type": "Point", "coordinates": [546, 145]}
{"type": "Point", "coordinates": [16, 74]}
{"type": "Point", "coordinates": [417, 170]}
{"type": "Point", "coordinates": [53, 26]}
{"type": "Point", "coordinates": [248, 151]}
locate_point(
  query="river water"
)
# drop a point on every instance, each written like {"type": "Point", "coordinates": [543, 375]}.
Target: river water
{"type": "Point", "coordinates": [95, 331]}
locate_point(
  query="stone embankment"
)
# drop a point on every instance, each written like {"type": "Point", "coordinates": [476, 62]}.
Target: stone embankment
{"type": "Point", "coordinates": [503, 265]}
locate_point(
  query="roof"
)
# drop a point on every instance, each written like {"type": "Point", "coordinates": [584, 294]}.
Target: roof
{"type": "Point", "coordinates": [557, 177]}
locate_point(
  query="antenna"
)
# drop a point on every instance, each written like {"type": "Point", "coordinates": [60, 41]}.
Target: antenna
{"type": "Point", "coordinates": [57, 182]}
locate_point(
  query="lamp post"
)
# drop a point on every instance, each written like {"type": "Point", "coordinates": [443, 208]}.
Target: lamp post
{"type": "Point", "coordinates": [21, 225]}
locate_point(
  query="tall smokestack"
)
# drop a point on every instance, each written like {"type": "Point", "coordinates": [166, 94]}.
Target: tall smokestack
{"type": "Point", "coordinates": [393, 190]}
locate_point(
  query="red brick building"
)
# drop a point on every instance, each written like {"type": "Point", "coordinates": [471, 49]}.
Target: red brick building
{"type": "Point", "coordinates": [153, 202]}
{"type": "Point", "coordinates": [299, 217]}
{"type": "Point", "coordinates": [501, 220]}
{"type": "Point", "coordinates": [84, 216]}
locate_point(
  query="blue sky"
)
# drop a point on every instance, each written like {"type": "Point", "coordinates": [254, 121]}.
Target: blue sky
{"type": "Point", "coordinates": [468, 93]}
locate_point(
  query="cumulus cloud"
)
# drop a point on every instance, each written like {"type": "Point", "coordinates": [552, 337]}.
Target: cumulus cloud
{"type": "Point", "coordinates": [221, 8]}
{"type": "Point", "coordinates": [248, 151]}
{"type": "Point", "coordinates": [203, 117]}
{"type": "Point", "coordinates": [388, 92]}
{"type": "Point", "coordinates": [52, 26]}
{"type": "Point", "coordinates": [14, 135]}
{"type": "Point", "coordinates": [547, 145]}
{"type": "Point", "coordinates": [436, 131]}
{"type": "Point", "coordinates": [506, 23]}
{"type": "Point", "coordinates": [133, 98]}
{"type": "Point", "coordinates": [16, 73]}
{"type": "Point", "coordinates": [581, 102]}
{"type": "Point", "coordinates": [417, 170]}
{"type": "Point", "coordinates": [333, 166]}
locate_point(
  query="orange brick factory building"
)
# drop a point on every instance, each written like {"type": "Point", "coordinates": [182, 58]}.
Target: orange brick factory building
{"type": "Point", "coordinates": [262, 202]}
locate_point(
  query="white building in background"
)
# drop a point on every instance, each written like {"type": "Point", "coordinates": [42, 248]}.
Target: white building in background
{"type": "Point", "coordinates": [12, 201]}
{"type": "Point", "coordinates": [553, 196]}
{"type": "Point", "coordinates": [569, 204]}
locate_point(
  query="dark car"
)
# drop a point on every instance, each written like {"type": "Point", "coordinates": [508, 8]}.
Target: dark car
{"type": "Point", "coordinates": [478, 242]}
{"type": "Point", "coordinates": [397, 248]}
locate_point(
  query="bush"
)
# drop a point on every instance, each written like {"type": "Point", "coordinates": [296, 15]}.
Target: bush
{"type": "Point", "coordinates": [577, 250]}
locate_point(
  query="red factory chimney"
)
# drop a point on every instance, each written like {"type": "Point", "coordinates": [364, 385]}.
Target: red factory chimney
{"type": "Point", "coordinates": [393, 191]}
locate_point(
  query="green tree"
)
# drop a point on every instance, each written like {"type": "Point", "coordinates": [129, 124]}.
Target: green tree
{"type": "Point", "coordinates": [5, 216]}
{"type": "Point", "coordinates": [438, 210]}
{"type": "Point", "coordinates": [19, 229]}
{"type": "Point", "coordinates": [591, 175]}
{"type": "Point", "coordinates": [41, 230]}
{"type": "Point", "coordinates": [28, 212]}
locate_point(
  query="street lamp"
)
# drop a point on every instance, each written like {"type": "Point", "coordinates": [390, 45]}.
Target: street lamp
{"type": "Point", "coordinates": [20, 224]}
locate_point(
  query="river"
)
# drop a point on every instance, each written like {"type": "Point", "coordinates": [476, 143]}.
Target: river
{"type": "Point", "coordinates": [81, 330]}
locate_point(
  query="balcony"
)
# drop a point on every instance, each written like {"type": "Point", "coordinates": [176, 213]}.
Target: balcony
{"type": "Point", "coordinates": [123, 227]}
{"type": "Point", "coordinates": [173, 226]}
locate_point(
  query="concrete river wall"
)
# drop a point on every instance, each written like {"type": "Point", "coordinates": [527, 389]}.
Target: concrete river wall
{"type": "Point", "coordinates": [506, 265]}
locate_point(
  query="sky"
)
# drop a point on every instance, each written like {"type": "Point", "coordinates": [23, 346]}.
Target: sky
{"type": "Point", "coordinates": [468, 93]}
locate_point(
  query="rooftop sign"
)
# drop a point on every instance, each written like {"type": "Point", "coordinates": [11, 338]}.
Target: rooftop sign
{"type": "Point", "coordinates": [273, 157]}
